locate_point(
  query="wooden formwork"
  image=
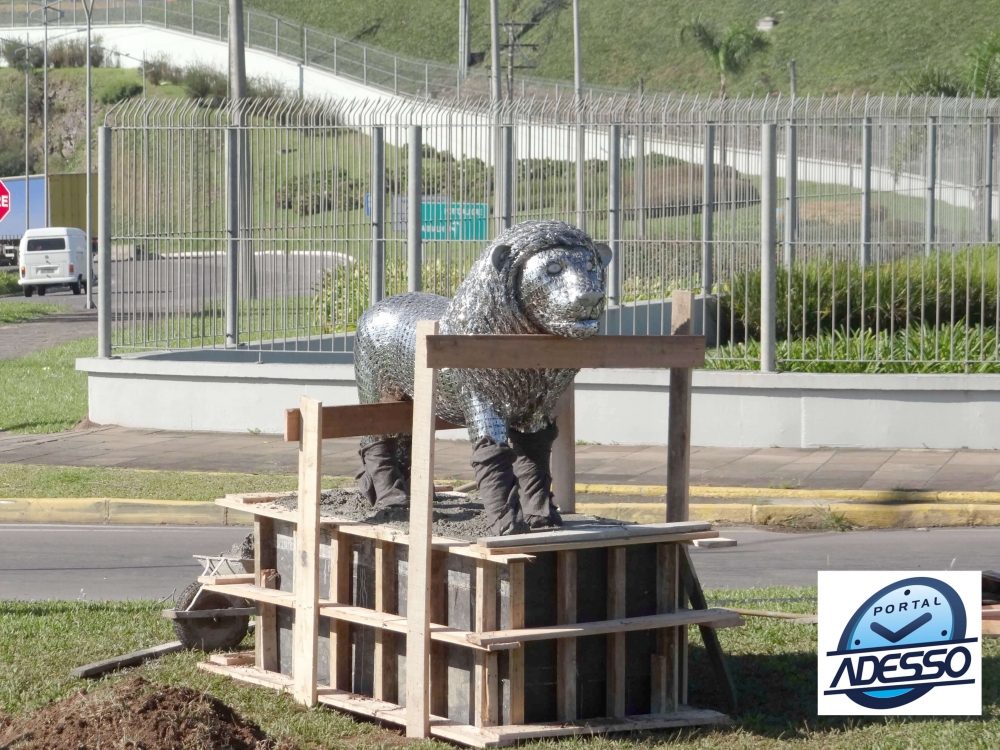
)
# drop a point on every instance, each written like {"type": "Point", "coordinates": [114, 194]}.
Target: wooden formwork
{"type": "Point", "coordinates": [572, 631]}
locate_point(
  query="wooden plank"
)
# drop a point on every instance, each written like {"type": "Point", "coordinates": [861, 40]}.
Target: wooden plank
{"type": "Point", "coordinates": [201, 614]}
{"type": "Point", "coordinates": [597, 534]}
{"type": "Point", "coordinates": [664, 696]}
{"type": "Point", "coordinates": [717, 618]}
{"type": "Point", "coordinates": [616, 641]}
{"type": "Point", "coordinates": [228, 579]}
{"type": "Point", "coordinates": [419, 565]}
{"type": "Point", "coordinates": [609, 542]}
{"type": "Point", "coordinates": [533, 352]}
{"type": "Point", "coordinates": [516, 657]}
{"type": "Point", "coordinates": [134, 659]}
{"type": "Point", "coordinates": [256, 593]}
{"type": "Point", "coordinates": [232, 660]}
{"type": "Point", "coordinates": [564, 453]}
{"type": "Point", "coordinates": [385, 676]}
{"type": "Point", "coordinates": [685, 716]}
{"type": "Point", "coordinates": [679, 417]}
{"type": "Point", "coordinates": [388, 418]}
{"type": "Point", "coordinates": [305, 633]}
{"type": "Point", "coordinates": [340, 593]}
{"type": "Point", "coordinates": [438, 651]}
{"type": "Point", "coordinates": [266, 625]}
{"type": "Point", "coordinates": [566, 580]}
{"type": "Point", "coordinates": [486, 678]}
{"type": "Point", "coordinates": [253, 498]}
{"type": "Point", "coordinates": [252, 675]}
{"type": "Point", "coordinates": [713, 649]}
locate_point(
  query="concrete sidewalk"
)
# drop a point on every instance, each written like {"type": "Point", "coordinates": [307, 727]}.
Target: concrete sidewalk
{"type": "Point", "coordinates": [776, 468]}
{"type": "Point", "coordinates": [18, 339]}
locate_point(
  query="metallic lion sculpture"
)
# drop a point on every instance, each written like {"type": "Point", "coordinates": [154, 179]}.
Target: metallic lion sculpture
{"type": "Point", "coordinates": [537, 277]}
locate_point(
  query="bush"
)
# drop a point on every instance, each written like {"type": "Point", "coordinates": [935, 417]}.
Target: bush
{"type": "Point", "coordinates": [119, 91]}
{"type": "Point", "coordinates": [204, 82]}
{"type": "Point", "coordinates": [160, 70]}
{"type": "Point", "coordinates": [16, 57]}
{"type": "Point", "coordinates": [266, 87]}
{"type": "Point", "coordinates": [822, 296]}
{"type": "Point", "coordinates": [72, 53]}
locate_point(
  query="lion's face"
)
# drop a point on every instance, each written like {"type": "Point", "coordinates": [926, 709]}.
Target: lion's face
{"type": "Point", "coordinates": [562, 291]}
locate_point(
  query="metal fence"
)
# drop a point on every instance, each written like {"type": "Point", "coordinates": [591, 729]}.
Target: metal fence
{"type": "Point", "coordinates": [290, 40]}
{"type": "Point", "coordinates": [852, 235]}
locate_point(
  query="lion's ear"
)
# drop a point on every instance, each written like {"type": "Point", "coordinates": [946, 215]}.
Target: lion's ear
{"type": "Point", "coordinates": [499, 256]}
{"type": "Point", "coordinates": [605, 252]}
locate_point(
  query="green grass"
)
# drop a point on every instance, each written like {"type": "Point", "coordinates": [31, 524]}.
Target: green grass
{"type": "Point", "coordinates": [843, 46]}
{"type": "Point", "coordinates": [8, 283]}
{"type": "Point", "coordinates": [20, 480]}
{"type": "Point", "coordinates": [15, 312]}
{"type": "Point", "coordinates": [43, 391]}
{"type": "Point", "coordinates": [773, 663]}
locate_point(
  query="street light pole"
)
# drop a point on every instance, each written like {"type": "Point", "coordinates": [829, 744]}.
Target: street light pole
{"type": "Point", "coordinates": [27, 131]}
{"type": "Point", "coordinates": [45, 114]}
{"type": "Point", "coordinates": [88, 7]}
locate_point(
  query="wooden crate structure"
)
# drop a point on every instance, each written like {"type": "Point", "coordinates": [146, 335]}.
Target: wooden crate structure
{"type": "Point", "coordinates": [484, 643]}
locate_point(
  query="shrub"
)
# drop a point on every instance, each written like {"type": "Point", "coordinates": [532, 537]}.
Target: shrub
{"type": "Point", "coordinates": [266, 87]}
{"type": "Point", "coordinates": [160, 70]}
{"type": "Point", "coordinates": [72, 53]}
{"type": "Point", "coordinates": [204, 82]}
{"type": "Point", "coordinates": [821, 296]}
{"type": "Point", "coordinates": [16, 57]}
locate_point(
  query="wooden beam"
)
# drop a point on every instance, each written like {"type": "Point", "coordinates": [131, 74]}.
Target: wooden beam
{"type": "Point", "coordinates": [438, 651]}
{"type": "Point", "coordinates": [665, 673]}
{"type": "Point", "coordinates": [616, 641]}
{"type": "Point", "coordinates": [533, 352]}
{"type": "Point", "coordinates": [516, 658]}
{"type": "Point", "coordinates": [340, 592]}
{"type": "Point", "coordinates": [679, 416]}
{"type": "Point", "coordinates": [564, 453]}
{"type": "Point", "coordinates": [385, 676]}
{"type": "Point", "coordinates": [594, 535]}
{"type": "Point", "coordinates": [486, 712]}
{"type": "Point", "coordinates": [305, 633]}
{"type": "Point", "coordinates": [225, 579]}
{"type": "Point", "coordinates": [566, 579]}
{"type": "Point", "coordinates": [609, 542]}
{"type": "Point", "coordinates": [388, 418]}
{"type": "Point", "coordinates": [419, 565]}
{"type": "Point", "coordinates": [133, 659]}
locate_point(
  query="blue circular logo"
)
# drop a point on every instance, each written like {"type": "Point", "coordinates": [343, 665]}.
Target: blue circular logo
{"type": "Point", "coordinates": [915, 611]}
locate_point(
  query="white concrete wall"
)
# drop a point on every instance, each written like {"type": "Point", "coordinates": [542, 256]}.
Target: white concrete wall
{"type": "Point", "coordinates": [738, 409]}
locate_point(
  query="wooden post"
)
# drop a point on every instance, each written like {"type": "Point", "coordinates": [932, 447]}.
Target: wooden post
{"type": "Point", "coordinates": [616, 641]}
{"type": "Point", "coordinates": [305, 633]}
{"type": "Point", "coordinates": [385, 601]}
{"type": "Point", "coordinates": [439, 651]}
{"type": "Point", "coordinates": [666, 660]}
{"type": "Point", "coordinates": [516, 656]}
{"type": "Point", "coordinates": [566, 647]}
{"type": "Point", "coordinates": [679, 427]}
{"type": "Point", "coordinates": [266, 627]}
{"type": "Point", "coordinates": [340, 592]}
{"type": "Point", "coordinates": [487, 696]}
{"type": "Point", "coordinates": [419, 568]}
{"type": "Point", "coordinates": [564, 453]}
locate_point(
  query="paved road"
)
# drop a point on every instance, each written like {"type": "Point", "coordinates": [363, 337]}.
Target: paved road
{"type": "Point", "coordinates": [18, 339]}
{"type": "Point", "coordinates": [151, 562]}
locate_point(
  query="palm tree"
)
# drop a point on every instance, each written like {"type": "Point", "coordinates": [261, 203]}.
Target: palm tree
{"type": "Point", "coordinates": [983, 76]}
{"type": "Point", "coordinates": [730, 52]}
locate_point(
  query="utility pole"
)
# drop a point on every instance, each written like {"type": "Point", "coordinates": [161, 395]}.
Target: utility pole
{"type": "Point", "coordinates": [581, 207]}
{"type": "Point", "coordinates": [45, 114]}
{"type": "Point", "coordinates": [464, 38]}
{"type": "Point", "coordinates": [791, 78]}
{"type": "Point", "coordinates": [88, 7]}
{"type": "Point", "coordinates": [27, 170]}
{"type": "Point", "coordinates": [495, 82]}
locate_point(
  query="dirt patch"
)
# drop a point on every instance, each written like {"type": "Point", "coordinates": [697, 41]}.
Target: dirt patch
{"type": "Point", "coordinates": [456, 515]}
{"type": "Point", "coordinates": [138, 715]}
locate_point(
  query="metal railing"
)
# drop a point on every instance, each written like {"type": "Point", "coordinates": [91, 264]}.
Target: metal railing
{"type": "Point", "coordinates": [310, 46]}
{"type": "Point", "coordinates": [878, 255]}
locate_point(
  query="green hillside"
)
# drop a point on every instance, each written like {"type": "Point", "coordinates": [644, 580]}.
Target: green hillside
{"type": "Point", "coordinates": [841, 46]}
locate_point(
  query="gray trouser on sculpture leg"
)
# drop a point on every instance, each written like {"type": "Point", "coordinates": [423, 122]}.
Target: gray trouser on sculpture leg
{"type": "Point", "coordinates": [533, 451]}
{"type": "Point", "coordinates": [497, 484]}
{"type": "Point", "coordinates": [381, 478]}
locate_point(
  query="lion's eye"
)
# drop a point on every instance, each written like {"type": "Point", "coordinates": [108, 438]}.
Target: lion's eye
{"type": "Point", "coordinates": [554, 267]}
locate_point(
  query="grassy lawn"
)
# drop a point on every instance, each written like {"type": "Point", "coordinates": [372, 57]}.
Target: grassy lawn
{"type": "Point", "coordinates": [8, 283]}
{"type": "Point", "coordinates": [18, 480]}
{"type": "Point", "coordinates": [42, 391]}
{"type": "Point", "coordinates": [15, 312]}
{"type": "Point", "coordinates": [774, 666]}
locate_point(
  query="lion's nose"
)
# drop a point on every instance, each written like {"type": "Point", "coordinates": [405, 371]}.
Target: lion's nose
{"type": "Point", "coordinates": [589, 299]}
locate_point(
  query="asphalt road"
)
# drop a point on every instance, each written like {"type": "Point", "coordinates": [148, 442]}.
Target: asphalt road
{"type": "Point", "coordinates": [153, 562]}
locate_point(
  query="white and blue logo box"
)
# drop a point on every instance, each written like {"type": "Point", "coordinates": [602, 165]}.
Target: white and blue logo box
{"type": "Point", "coordinates": [900, 643]}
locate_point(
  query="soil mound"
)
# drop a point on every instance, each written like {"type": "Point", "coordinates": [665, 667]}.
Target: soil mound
{"type": "Point", "coordinates": [137, 715]}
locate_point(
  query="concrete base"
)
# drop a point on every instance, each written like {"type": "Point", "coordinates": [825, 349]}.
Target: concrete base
{"type": "Point", "coordinates": [190, 391]}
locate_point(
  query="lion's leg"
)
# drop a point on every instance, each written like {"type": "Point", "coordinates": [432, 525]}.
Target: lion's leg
{"type": "Point", "coordinates": [532, 454]}
{"type": "Point", "coordinates": [493, 463]}
{"type": "Point", "coordinates": [381, 478]}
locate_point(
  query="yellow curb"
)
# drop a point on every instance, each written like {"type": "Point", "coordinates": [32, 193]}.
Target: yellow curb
{"type": "Point", "coordinates": [833, 516]}
{"type": "Point", "coordinates": [749, 493]}
{"type": "Point", "coordinates": [102, 510]}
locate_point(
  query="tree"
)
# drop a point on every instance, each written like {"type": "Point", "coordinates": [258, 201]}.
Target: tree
{"type": "Point", "coordinates": [730, 51]}
{"type": "Point", "coordinates": [983, 75]}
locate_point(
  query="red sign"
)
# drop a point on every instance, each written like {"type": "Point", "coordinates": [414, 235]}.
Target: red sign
{"type": "Point", "coordinates": [4, 201]}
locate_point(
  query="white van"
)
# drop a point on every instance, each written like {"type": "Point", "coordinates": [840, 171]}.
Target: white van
{"type": "Point", "coordinates": [53, 257]}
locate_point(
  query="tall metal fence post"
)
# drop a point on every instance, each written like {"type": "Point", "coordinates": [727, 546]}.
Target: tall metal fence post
{"type": "Point", "coordinates": [377, 271]}
{"type": "Point", "coordinates": [931, 179]}
{"type": "Point", "coordinates": [708, 213]}
{"type": "Point", "coordinates": [988, 207]}
{"type": "Point", "coordinates": [768, 221]}
{"type": "Point", "coordinates": [581, 156]}
{"type": "Point", "coordinates": [791, 191]}
{"type": "Point", "coordinates": [103, 242]}
{"type": "Point", "coordinates": [507, 178]}
{"type": "Point", "coordinates": [232, 236]}
{"type": "Point", "coordinates": [866, 193]}
{"type": "Point", "coordinates": [640, 180]}
{"type": "Point", "coordinates": [615, 212]}
{"type": "Point", "coordinates": [414, 210]}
